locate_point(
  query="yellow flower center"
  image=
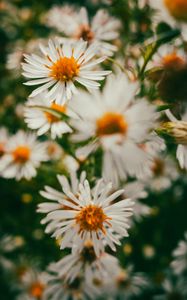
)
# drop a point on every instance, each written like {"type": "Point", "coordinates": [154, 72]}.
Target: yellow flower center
{"type": "Point", "coordinates": [173, 60]}
{"type": "Point", "coordinates": [177, 8]}
{"type": "Point", "coordinates": [85, 32]}
{"type": "Point", "coordinates": [21, 154]}
{"type": "Point", "coordinates": [92, 218]}
{"type": "Point", "coordinates": [111, 123]}
{"type": "Point", "coordinates": [65, 69]}
{"type": "Point", "coordinates": [36, 290]}
{"type": "Point", "coordinates": [59, 108]}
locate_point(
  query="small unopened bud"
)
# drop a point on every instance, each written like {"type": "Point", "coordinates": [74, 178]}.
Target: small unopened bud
{"type": "Point", "coordinates": [177, 130]}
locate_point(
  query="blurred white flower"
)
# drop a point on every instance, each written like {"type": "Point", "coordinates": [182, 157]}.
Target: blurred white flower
{"type": "Point", "coordinates": [118, 124]}
{"type": "Point", "coordinates": [60, 67]}
{"type": "Point", "coordinates": [54, 150]}
{"type": "Point", "coordinates": [23, 154]}
{"type": "Point", "coordinates": [75, 25]}
{"type": "Point", "coordinates": [135, 190]}
{"type": "Point", "coordinates": [58, 289]}
{"type": "Point", "coordinates": [181, 148]}
{"type": "Point", "coordinates": [173, 12]}
{"type": "Point", "coordinates": [87, 263]}
{"type": "Point", "coordinates": [43, 121]}
{"type": "Point", "coordinates": [163, 173]}
{"type": "Point", "coordinates": [127, 284]}
{"type": "Point", "coordinates": [32, 285]}
{"type": "Point", "coordinates": [169, 57]}
{"type": "Point", "coordinates": [173, 288]}
{"type": "Point", "coordinates": [86, 215]}
{"type": "Point", "coordinates": [179, 263]}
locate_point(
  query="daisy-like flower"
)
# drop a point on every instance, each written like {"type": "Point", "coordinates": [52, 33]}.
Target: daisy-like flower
{"type": "Point", "coordinates": [163, 173]}
{"type": "Point", "coordinates": [54, 150]}
{"type": "Point", "coordinates": [119, 124]}
{"type": "Point", "coordinates": [173, 288]}
{"type": "Point", "coordinates": [4, 137]}
{"type": "Point", "coordinates": [56, 197]}
{"type": "Point", "coordinates": [128, 284]}
{"type": "Point", "coordinates": [101, 30]}
{"type": "Point", "coordinates": [182, 147]}
{"type": "Point", "coordinates": [179, 263]}
{"type": "Point", "coordinates": [87, 215]}
{"type": "Point", "coordinates": [173, 12]}
{"type": "Point", "coordinates": [32, 285]}
{"type": "Point", "coordinates": [61, 67]}
{"type": "Point", "coordinates": [23, 154]}
{"type": "Point", "coordinates": [170, 58]}
{"type": "Point", "coordinates": [43, 121]}
{"type": "Point", "coordinates": [86, 262]}
{"type": "Point", "coordinates": [58, 289]}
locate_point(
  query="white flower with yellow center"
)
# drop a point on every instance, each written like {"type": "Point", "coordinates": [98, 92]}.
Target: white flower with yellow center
{"type": "Point", "coordinates": [23, 154]}
{"type": "Point", "coordinates": [169, 58]}
{"type": "Point", "coordinates": [86, 215]}
{"type": "Point", "coordinates": [43, 121]}
{"type": "Point", "coordinates": [171, 11]}
{"type": "Point", "coordinates": [119, 124]}
{"type": "Point", "coordinates": [60, 67]}
{"type": "Point", "coordinates": [32, 285]}
{"type": "Point", "coordinates": [163, 173]}
{"type": "Point", "coordinates": [101, 30]}
{"type": "Point", "coordinates": [87, 263]}
{"type": "Point", "coordinates": [57, 288]}
{"type": "Point", "coordinates": [127, 284]}
{"type": "Point", "coordinates": [182, 147]}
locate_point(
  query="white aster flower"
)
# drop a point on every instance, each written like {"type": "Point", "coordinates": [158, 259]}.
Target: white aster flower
{"type": "Point", "coordinates": [54, 150]}
{"type": "Point", "coordinates": [32, 285]}
{"type": "Point", "coordinates": [61, 67]}
{"type": "Point", "coordinates": [86, 215]}
{"type": "Point", "coordinates": [75, 25]}
{"type": "Point", "coordinates": [128, 284]}
{"type": "Point", "coordinates": [173, 12]}
{"type": "Point", "coordinates": [57, 288]}
{"type": "Point", "coordinates": [87, 264]}
{"type": "Point", "coordinates": [119, 123]}
{"type": "Point", "coordinates": [179, 263]}
{"type": "Point", "coordinates": [43, 121]}
{"type": "Point", "coordinates": [163, 173]}
{"type": "Point", "coordinates": [181, 148]}
{"type": "Point", "coordinates": [173, 288]}
{"type": "Point", "coordinates": [4, 137]}
{"type": "Point", "coordinates": [23, 154]}
{"type": "Point", "coordinates": [169, 57]}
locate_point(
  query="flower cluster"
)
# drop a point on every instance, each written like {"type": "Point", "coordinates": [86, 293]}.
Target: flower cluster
{"type": "Point", "coordinates": [108, 119]}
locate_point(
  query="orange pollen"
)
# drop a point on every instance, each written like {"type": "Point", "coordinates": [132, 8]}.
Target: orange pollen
{"type": "Point", "coordinates": [36, 290]}
{"type": "Point", "coordinates": [92, 218]}
{"type": "Point", "coordinates": [21, 154]}
{"type": "Point", "coordinates": [65, 69]}
{"type": "Point", "coordinates": [177, 8]}
{"type": "Point", "coordinates": [84, 32]}
{"type": "Point", "coordinates": [173, 60]}
{"type": "Point", "coordinates": [111, 123]}
{"type": "Point", "coordinates": [58, 108]}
